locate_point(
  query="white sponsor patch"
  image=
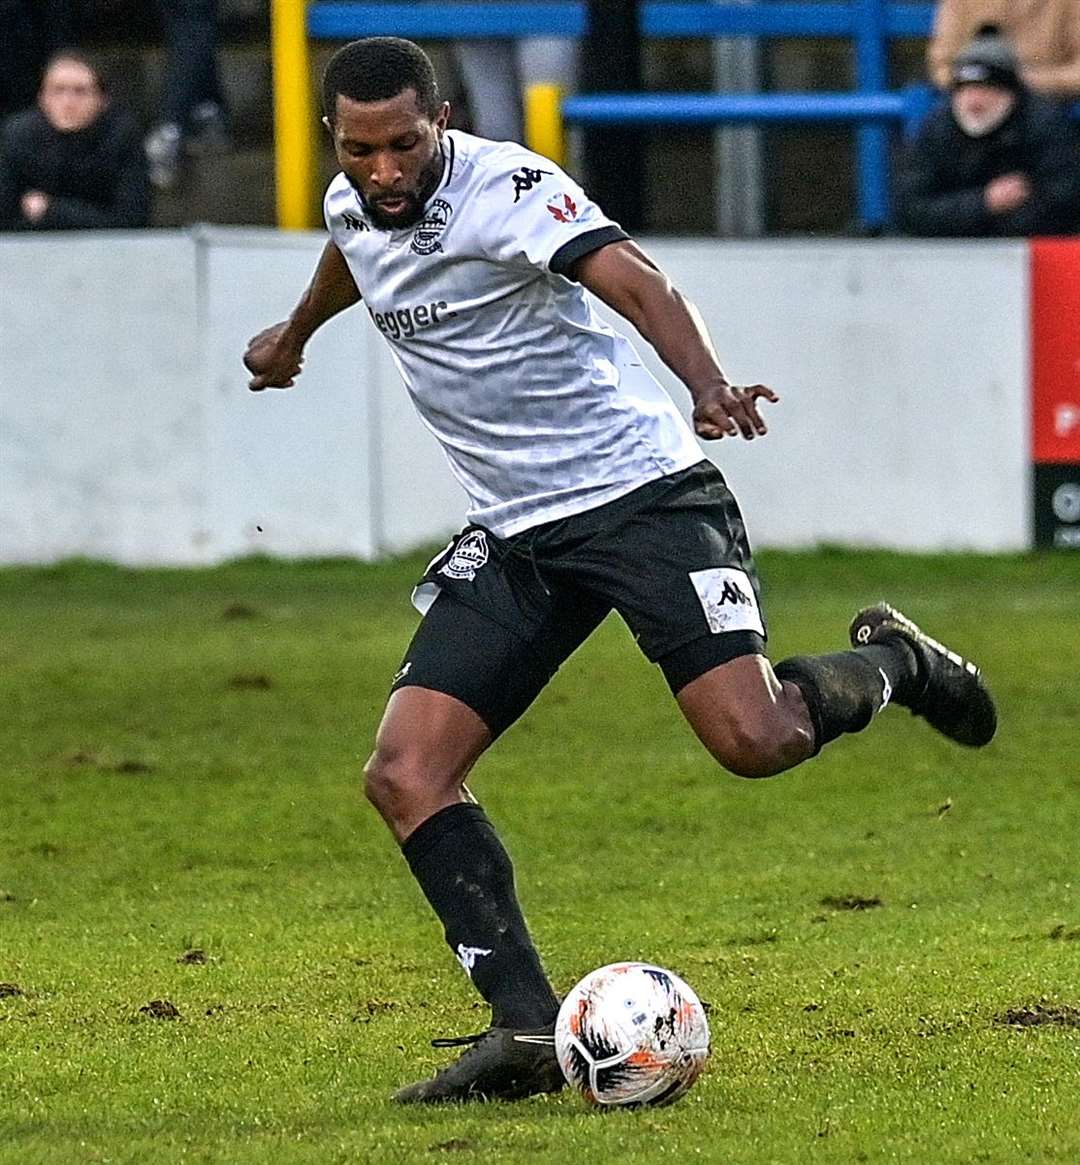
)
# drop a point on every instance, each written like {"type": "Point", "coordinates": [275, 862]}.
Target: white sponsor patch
{"type": "Point", "coordinates": [728, 599]}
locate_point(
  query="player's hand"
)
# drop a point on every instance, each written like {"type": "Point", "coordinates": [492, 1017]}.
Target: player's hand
{"type": "Point", "coordinates": [274, 358]}
{"type": "Point", "coordinates": [34, 204]}
{"type": "Point", "coordinates": [730, 410]}
{"type": "Point", "coordinates": [1007, 193]}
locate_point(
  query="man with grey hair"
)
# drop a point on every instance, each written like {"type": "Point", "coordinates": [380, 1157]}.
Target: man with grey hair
{"type": "Point", "coordinates": [994, 159]}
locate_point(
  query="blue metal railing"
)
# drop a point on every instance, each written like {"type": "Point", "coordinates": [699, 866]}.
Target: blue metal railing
{"type": "Point", "coordinates": [869, 24]}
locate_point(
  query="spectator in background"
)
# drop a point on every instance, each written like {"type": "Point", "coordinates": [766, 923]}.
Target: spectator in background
{"type": "Point", "coordinates": [1045, 34]}
{"type": "Point", "coordinates": [496, 72]}
{"type": "Point", "coordinates": [72, 161]}
{"type": "Point", "coordinates": [994, 160]}
{"type": "Point", "coordinates": [193, 111]}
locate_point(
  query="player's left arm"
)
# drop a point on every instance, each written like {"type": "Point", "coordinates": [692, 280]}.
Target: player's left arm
{"type": "Point", "coordinates": [627, 280]}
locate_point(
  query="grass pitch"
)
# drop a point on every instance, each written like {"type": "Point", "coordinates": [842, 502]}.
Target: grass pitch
{"type": "Point", "coordinates": [212, 951]}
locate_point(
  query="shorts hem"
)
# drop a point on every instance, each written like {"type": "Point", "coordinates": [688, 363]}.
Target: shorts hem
{"type": "Point", "coordinates": [692, 659]}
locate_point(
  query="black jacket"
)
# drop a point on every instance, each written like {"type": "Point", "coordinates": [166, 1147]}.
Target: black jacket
{"type": "Point", "coordinates": [944, 173]}
{"type": "Point", "coordinates": [94, 177]}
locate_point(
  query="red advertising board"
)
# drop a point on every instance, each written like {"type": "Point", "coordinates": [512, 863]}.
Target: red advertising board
{"type": "Point", "coordinates": [1055, 350]}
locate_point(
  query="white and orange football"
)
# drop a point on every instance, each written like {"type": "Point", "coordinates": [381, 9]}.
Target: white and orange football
{"type": "Point", "coordinates": [631, 1034]}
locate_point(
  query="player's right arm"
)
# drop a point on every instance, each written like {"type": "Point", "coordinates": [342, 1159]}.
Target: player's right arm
{"type": "Point", "coordinates": [275, 356]}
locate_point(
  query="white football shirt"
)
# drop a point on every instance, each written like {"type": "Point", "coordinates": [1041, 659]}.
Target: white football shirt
{"type": "Point", "coordinates": [543, 411]}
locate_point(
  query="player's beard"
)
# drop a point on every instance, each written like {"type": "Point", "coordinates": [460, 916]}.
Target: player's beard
{"type": "Point", "coordinates": [415, 200]}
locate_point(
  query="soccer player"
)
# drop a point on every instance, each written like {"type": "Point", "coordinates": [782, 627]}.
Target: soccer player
{"type": "Point", "coordinates": [588, 492]}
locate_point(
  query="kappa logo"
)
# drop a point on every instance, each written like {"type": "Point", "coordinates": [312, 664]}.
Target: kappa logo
{"type": "Point", "coordinates": [401, 673]}
{"type": "Point", "coordinates": [732, 594]}
{"type": "Point", "coordinates": [468, 557]}
{"type": "Point", "coordinates": [354, 223]}
{"type": "Point", "coordinates": [425, 240]}
{"type": "Point", "coordinates": [467, 956]}
{"type": "Point", "coordinates": [525, 179]}
{"type": "Point", "coordinates": [563, 208]}
{"type": "Point", "coordinates": [727, 599]}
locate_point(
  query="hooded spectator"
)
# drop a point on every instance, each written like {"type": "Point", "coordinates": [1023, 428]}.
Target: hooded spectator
{"type": "Point", "coordinates": [994, 160]}
{"type": "Point", "coordinates": [72, 161]}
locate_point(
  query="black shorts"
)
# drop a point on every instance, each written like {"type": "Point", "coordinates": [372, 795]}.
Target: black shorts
{"type": "Point", "coordinates": [671, 557]}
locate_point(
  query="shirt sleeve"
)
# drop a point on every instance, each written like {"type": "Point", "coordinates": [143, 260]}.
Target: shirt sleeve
{"type": "Point", "coordinates": [539, 217]}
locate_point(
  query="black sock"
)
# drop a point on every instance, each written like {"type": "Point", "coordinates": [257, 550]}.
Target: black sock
{"type": "Point", "coordinates": [466, 874]}
{"type": "Point", "coordinates": [844, 692]}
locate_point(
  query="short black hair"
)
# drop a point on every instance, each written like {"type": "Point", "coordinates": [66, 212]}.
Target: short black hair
{"type": "Point", "coordinates": [377, 68]}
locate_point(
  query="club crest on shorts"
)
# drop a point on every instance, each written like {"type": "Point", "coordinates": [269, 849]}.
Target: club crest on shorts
{"type": "Point", "coordinates": [468, 556]}
{"type": "Point", "coordinates": [727, 597]}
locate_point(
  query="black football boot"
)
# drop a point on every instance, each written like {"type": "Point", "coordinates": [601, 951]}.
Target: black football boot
{"type": "Point", "coordinates": [501, 1064]}
{"type": "Point", "coordinates": [948, 691]}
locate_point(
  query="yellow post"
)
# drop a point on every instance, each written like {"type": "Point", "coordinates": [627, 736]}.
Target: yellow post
{"type": "Point", "coordinates": [544, 123]}
{"type": "Point", "coordinates": [294, 119]}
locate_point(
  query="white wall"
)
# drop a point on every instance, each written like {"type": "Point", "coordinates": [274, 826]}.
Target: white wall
{"type": "Point", "coordinates": [903, 370]}
{"type": "Point", "coordinates": [127, 433]}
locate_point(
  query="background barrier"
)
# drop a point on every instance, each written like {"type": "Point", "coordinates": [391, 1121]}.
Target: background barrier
{"type": "Point", "coordinates": [127, 432]}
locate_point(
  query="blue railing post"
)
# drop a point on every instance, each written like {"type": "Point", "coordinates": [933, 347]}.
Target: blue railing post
{"type": "Point", "coordinates": [872, 141]}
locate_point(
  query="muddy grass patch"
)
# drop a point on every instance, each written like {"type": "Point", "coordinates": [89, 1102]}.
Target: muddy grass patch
{"type": "Point", "coordinates": [239, 611]}
{"type": "Point", "coordinates": [251, 682]}
{"type": "Point", "coordinates": [160, 1009]}
{"type": "Point", "coordinates": [1039, 1015]}
{"type": "Point", "coordinates": [850, 902]}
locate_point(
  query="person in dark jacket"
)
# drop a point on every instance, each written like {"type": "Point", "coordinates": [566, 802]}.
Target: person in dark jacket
{"type": "Point", "coordinates": [72, 162]}
{"type": "Point", "coordinates": [995, 160]}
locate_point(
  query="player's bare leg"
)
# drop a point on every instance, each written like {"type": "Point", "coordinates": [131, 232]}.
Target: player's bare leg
{"type": "Point", "coordinates": [750, 722]}
{"type": "Point", "coordinates": [425, 747]}
{"type": "Point", "coordinates": [757, 720]}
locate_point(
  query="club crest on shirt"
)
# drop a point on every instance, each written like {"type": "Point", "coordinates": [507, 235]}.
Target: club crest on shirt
{"type": "Point", "coordinates": [468, 556]}
{"type": "Point", "coordinates": [562, 208]}
{"type": "Point", "coordinates": [425, 240]}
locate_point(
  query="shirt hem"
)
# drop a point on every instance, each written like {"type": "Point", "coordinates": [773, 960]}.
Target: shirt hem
{"type": "Point", "coordinates": [582, 505]}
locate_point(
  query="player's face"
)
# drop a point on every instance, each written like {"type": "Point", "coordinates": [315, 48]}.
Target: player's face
{"type": "Point", "coordinates": [390, 152]}
{"type": "Point", "coordinates": [70, 96]}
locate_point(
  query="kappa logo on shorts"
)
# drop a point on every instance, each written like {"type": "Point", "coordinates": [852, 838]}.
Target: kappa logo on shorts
{"type": "Point", "coordinates": [728, 599]}
{"type": "Point", "coordinates": [468, 557]}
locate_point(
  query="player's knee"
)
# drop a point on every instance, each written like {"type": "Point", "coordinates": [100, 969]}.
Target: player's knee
{"type": "Point", "coordinates": [389, 780]}
{"type": "Point", "coordinates": [756, 747]}
{"type": "Point", "coordinates": [396, 780]}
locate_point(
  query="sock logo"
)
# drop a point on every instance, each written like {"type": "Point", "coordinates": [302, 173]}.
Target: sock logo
{"type": "Point", "coordinates": [886, 689]}
{"type": "Point", "coordinates": [467, 956]}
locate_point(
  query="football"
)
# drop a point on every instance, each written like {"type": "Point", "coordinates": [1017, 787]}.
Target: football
{"type": "Point", "coordinates": [631, 1034]}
